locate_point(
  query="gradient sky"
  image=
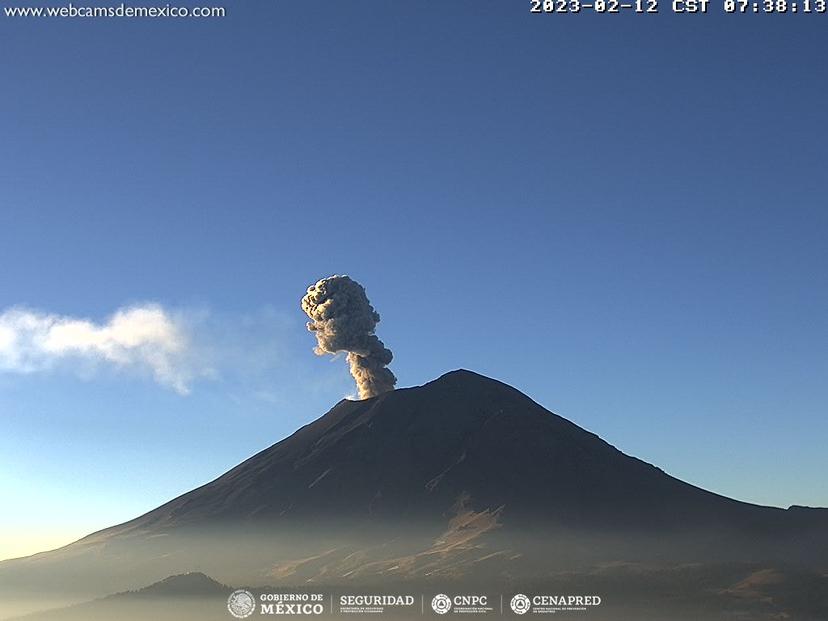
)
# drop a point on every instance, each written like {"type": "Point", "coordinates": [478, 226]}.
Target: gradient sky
{"type": "Point", "coordinates": [623, 216]}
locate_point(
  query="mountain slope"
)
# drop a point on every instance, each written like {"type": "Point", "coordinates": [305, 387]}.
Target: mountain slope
{"type": "Point", "coordinates": [463, 478]}
{"type": "Point", "coordinates": [411, 453]}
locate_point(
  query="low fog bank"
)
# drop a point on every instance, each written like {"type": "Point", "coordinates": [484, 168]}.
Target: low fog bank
{"type": "Point", "coordinates": [627, 592]}
{"type": "Point", "coordinates": [696, 576]}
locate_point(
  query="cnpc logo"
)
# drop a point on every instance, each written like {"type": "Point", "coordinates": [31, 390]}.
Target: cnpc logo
{"type": "Point", "coordinates": [441, 604]}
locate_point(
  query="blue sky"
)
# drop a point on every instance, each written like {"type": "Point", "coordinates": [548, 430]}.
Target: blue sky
{"type": "Point", "coordinates": [622, 216]}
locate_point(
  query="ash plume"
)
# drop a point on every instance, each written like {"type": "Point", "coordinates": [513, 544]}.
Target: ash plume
{"type": "Point", "coordinates": [344, 320]}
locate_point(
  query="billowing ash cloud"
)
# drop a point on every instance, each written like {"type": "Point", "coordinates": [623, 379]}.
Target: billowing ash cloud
{"type": "Point", "coordinates": [344, 320]}
{"type": "Point", "coordinates": [142, 337]}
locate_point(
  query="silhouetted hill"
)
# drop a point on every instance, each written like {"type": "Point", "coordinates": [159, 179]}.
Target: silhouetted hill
{"type": "Point", "coordinates": [191, 584]}
{"type": "Point", "coordinates": [191, 596]}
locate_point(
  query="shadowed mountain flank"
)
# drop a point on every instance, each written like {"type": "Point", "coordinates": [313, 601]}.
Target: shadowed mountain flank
{"type": "Point", "coordinates": [412, 453]}
{"type": "Point", "coordinates": [463, 479]}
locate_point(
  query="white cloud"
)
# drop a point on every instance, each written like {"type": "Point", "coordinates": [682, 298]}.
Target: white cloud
{"type": "Point", "coordinates": [144, 338]}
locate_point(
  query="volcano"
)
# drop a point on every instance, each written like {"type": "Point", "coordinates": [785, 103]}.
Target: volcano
{"type": "Point", "coordinates": [410, 455]}
{"type": "Point", "coordinates": [464, 479]}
